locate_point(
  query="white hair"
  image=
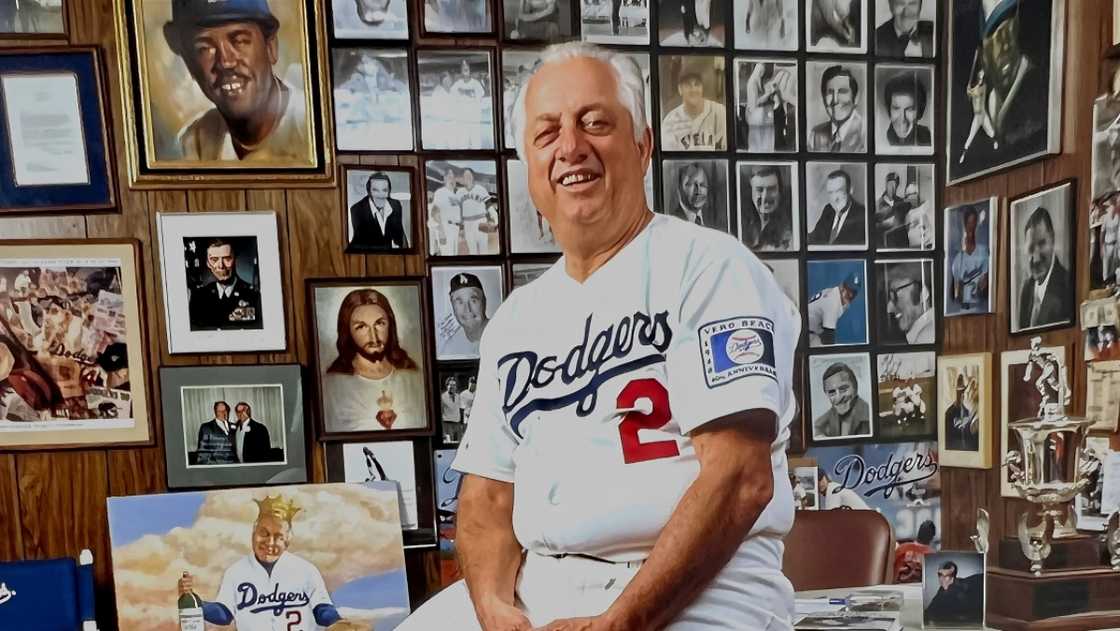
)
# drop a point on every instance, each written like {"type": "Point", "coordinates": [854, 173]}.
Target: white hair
{"type": "Point", "coordinates": [631, 85]}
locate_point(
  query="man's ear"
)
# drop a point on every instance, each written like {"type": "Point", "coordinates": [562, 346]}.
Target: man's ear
{"type": "Point", "coordinates": [645, 148]}
{"type": "Point", "coordinates": [274, 47]}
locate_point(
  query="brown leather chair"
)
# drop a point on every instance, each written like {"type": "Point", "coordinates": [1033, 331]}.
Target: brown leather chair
{"type": "Point", "coordinates": [839, 548]}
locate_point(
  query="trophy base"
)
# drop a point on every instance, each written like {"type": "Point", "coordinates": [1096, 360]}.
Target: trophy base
{"type": "Point", "coordinates": [1084, 598]}
{"type": "Point", "coordinates": [1083, 552]}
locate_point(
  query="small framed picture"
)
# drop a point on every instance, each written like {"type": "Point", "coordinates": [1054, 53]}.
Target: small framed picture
{"type": "Point", "coordinates": [529, 231]}
{"type": "Point", "coordinates": [836, 26]}
{"type": "Point", "coordinates": [905, 97]}
{"type": "Point", "coordinates": [1042, 259]}
{"type": "Point", "coordinates": [970, 242]}
{"type": "Point", "coordinates": [614, 21]}
{"type": "Point", "coordinates": [954, 590]}
{"type": "Point", "coordinates": [1022, 398]}
{"type": "Point", "coordinates": [840, 395]}
{"type": "Point", "coordinates": [457, 387]}
{"type": "Point", "coordinates": [692, 23]}
{"type": "Point", "coordinates": [233, 425]}
{"type": "Point", "coordinates": [1104, 238]}
{"type": "Point", "coordinates": [766, 101]}
{"type": "Point", "coordinates": [904, 200]}
{"type": "Point", "coordinates": [36, 19]}
{"type": "Point", "coordinates": [806, 495]}
{"type": "Point", "coordinates": [380, 210]}
{"type": "Point", "coordinates": [835, 106]}
{"type": "Point", "coordinates": [536, 21]}
{"type": "Point", "coordinates": [766, 25]}
{"type": "Point", "coordinates": [788, 274]}
{"type": "Point", "coordinates": [907, 392]}
{"type": "Point", "coordinates": [462, 197]}
{"type": "Point", "coordinates": [697, 191]}
{"type": "Point", "coordinates": [768, 194]}
{"type": "Point", "coordinates": [456, 99]}
{"type": "Point", "coordinates": [458, 17]}
{"type": "Point", "coordinates": [693, 103]}
{"type": "Point", "coordinates": [905, 294]}
{"type": "Point", "coordinates": [835, 214]}
{"type": "Point", "coordinates": [837, 290]}
{"type": "Point", "coordinates": [370, 356]}
{"type": "Point", "coordinates": [222, 287]}
{"type": "Point", "coordinates": [372, 100]}
{"type": "Point", "coordinates": [464, 298]}
{"type": "Point", "coordinates": [370, 19]}
{"type": "Point", "coordinates": [906, 28]}
{"type": "Point", "coordinates": [522, 274]}
{"type": "Point", "coordinates": [517, 66]}
{"type": "Point", "coordinates": [964, 403]}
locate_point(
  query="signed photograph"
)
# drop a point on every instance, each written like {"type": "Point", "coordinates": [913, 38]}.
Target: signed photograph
{"type": "Point", "coordinates": [836, 106]}
{"type": "Point", "coordinates": [464, 299]}
{"type": "Point", "coordinates": [906, 28]}
{"type": "Point", "coordinates": [615, 21]}
{"type": "Point", "coordinates": [693, 103]}
{"type": "Point", "coordinates": [970, 242]}
{"type": "Point", "coordinates": [904, 201]}
{"type": "Point", "coordinates": [835, 210]}
{"type": "Point", "coordinates": [905, 293]}
{"type": "Point", "coordinates": [462, 200]}
{"type": "Point", "coordinates": [905, 121]}
{"type": "Point", "coordinates": [379, 212]}
{"type": "Point", "coordinates": [467, 17]}
{"type": "Point", "coordinates": [692, 23]}
{"type": "Point", "coordinates": [840, 396]}
{"type": "Point", "coordinates": [538, 20]}
{"type": "Point", "coordinates": [766, 24]}
{"type": "Point", "coordinates": [529, 231]}
{"type": "Point", "coordinates": [954, 586]}
{"type": "Point", "coordinates": [838, 26]}
{"type": "Point", "coordinates": [457, 388]}
{"type": "Point", "coordinates": [370, 19]}
{"type": "Point", "coordinates": [517, 65]}
{"type": "Point", "coordinates": [31, 18]}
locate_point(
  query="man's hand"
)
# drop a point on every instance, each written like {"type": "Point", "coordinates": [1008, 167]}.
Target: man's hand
{"type": "Point", "coordinates": [574, 624]}
{"type": "Point", "coordinates": [186, 584]}
{"type": "Point", "coordinates": [495, 615]}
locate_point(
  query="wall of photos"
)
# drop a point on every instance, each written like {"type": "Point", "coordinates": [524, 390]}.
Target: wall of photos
{"type": "Point", "coordinates": [52, 501]}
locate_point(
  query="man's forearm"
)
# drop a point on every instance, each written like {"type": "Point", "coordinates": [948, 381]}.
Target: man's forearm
{"type": "Point", "coordinates": [489, 553]}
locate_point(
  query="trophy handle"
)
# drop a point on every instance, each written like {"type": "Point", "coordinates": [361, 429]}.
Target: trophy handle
{"type": "Point", "coordinates": [1012, 462]}
{"type": "Point", "coordinates": [1035, 548]}
{"type": "Point", "coordinates": [983, 527]}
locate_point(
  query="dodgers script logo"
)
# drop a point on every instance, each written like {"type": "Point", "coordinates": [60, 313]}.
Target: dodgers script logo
{"type": "Point", "coordinates": [888, 478]}
{"type": "Point", "coordinates": [276, 602]}
{"type": "Point", "coordinates": [736, 348]}
{"type": "Point", "coordinates": [745, 347]}
{"type": "Point", "coordinates": [6, 594]}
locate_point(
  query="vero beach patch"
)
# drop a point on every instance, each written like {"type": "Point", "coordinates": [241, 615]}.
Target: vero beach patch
{"type": "Point", "coordinates": [737, 347]}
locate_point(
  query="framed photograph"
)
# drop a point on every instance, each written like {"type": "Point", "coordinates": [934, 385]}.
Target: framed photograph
{"type": "Point", "coordinates": [1102, 395]}
{"type": "Point", "coordinates": [693, 103]}
{"type": "Point", "coordinates": [904, 200]}
{"type": "Point", "coordinates": [1106, 147]}
{"type": "Point", "coordinates": [697, 192]}
{"type": "Point", "coordinates": [447, 507]}
{"type": "Point", "coordinates": [529, 231]}
{"type": "Point", "coordinates": [1104, 209]}
{"type": "Point", "coordinates": [370, 19]}
{"type": "Point", "coordinates": [233, 425]}
{"type": "Point", "coordinates": [370, 356]}
{"type": "Point", "coordinates": [522, 274]}
{"type": "Point", "coordinates": [464, 299]}
{"type": "Point", "coordinates": [768, 194]}
{"type": "Point", "coordinates": [839, 396]}
{"type": "Point", "coordinates": [344, 538]}
{"type": "Point", "coordinates": [222, 287]}
{"type": "Point", "coordinates": [72, 345]}
{"type": "Point", "coordinates": [691, 23]}
{"type": "Point", "coordinates": [964, 438]}
{"type": "Point", "coordinates": [614, 22]}
{"type": "Point", "coordinates": [835, 107]}
{"type": "Point", "coordinates": [55, 134]}
{"type": "Point", "coordinates": [906, 28]}
{"type": "Point", "coordinates": [380, 210]}
{"type": "Point", "coordinates": [788, 274]}
{"type": "Point", "coordinates": [766, 102]}
{"type": "Point", "coordinates": [1021, 399]}
{"type": "Point", "coordinates": [905, 97]}
{"type": "Point", "coordinates": [970, 242]}
{"type": "Point", "coordinates": [907, 392]}
{"type": "Point", "coordinates": [372, 100]}
{"type": "Point", "coordinates": [905, 292]}
{"type": "Point", "coordinates": [33, 20]}
{"type": "Point", "coordinates": [766, 25]}
{"type": "Point", "coordinates": [954, 590]}
{"type": "Point", "coordinates": [837, 302]}
{"type": "Point", "coordinates": [456, 99]}
{"type": "Point", "coordinates": [1005, 85]}
{"type": "Point", "coordinates": [199, 124]}
{"type": "Point", "coordinates": [1042, 258]}
{"type": "Point", "coordinates": [462, 198]}
{"type": "Point", "coordinates": [835, 214]}
{"type": "Point", "coordinates": [806, 495]}
{"type": "Point", "coordinates": [457, 387]}
{"type": "Point", "coordinates": [836, 26]}
{"type": "Point", "coordinates": [1092, 506]}
{"type": "Point", "coordinates": [458, 17]}
{"type": "Point", "coordinates": [517, 66]}
{"type": "Point", "coordinates": [538, 20]}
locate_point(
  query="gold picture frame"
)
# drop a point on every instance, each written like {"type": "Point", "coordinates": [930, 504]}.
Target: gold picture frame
{"type": "Point", "coordinates": [974, 372]}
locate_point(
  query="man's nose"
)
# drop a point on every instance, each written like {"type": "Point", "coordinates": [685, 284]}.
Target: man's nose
{"type": "Point", "coordinates": [572, 148]}
{"type": "Point", "coordinates": [227, 56]}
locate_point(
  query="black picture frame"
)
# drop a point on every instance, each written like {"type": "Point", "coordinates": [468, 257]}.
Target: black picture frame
{"type": "Point", "coordinates": [412, 232]}
{"type": "Point", "coordinates": [1064, 296]}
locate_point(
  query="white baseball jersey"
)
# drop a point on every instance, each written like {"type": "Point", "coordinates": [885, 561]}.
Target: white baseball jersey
{"type": "Point", "coordinates": [825, 309]}
{"type": "Point", "coordinates": [706, 132]}
{"type": "Point", "coordinates": [685, 322]}
{"type": "Point", "coordinates": [474, 202]}
{"type": "Point", "coordinates": [284, 600]}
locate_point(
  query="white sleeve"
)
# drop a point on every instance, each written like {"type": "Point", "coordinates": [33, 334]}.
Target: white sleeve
{"type": "Point", "coordinates": [830, 310]}
{"type": "Point", "coordinates": [317, 594]}
{"type": "Point", "coordinates": [227, 592]}
{"type": "Point", "coordinates": [488, 444]}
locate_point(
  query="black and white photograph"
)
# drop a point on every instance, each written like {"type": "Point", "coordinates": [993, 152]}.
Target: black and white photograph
{"type": "Point", "coordinates": [697, 191]}
{"type": "Point", "coordinates": [370, 19]}
{"type": "Point", "coordinates": [529, 232]}
{"type": "Point", "coordinates": [457, 388]}
{"type": "Point", "coordinates": [840, 396]}
{"type": "Point", "coordinates": [463, 301]}
{"type": "Point", "coordinates": [766, 102]}
{"type": "Point", "coordinates": [970, 239]}
{"type": "Point", "coordinates": [221, 281]}
{"type": "Point", "coordinates": [379, 209]}
{"type": "Point", "coordinates": [836, 26]}
{"type": "Point", "coordinates": [837, 309]}
{"type": "Point", "coordinates": [907, 396]}
{"type": "Point", "coordinates": [615, 21]}
{"type": "Point", "coordinates": [1042, 264]}
{"type": "Point", "coordinates": [836, 106]}
{"type": "Point", "coordinates": [1104, 241]}
{"type": "Point", "coordinates": [456, 99]}
{"type": "Point", "coordinates": [904, 110]}
{"type": "Point", "coordinates": [233, 425]}
{"type": "Point", "coordinates": [766, 24]}
{"type": "Point", "coordinates": [1106, 146]}
{"type": "Point", "coordinates": [905, 293]}
{"type": "Point", "coordinates": [769, 196]}
{"type": "Point", "coordinates": [538, 20]}
{"type": "Point", "coordinates": [788, 274]}
{"type": "Point", "coordinates": [372, 100]}
{"type": "Point", "coordinates": [906, 28]}
{"type": "Point", "coordinates": [954, 588]}
{"type": "Point", "coordinates": [30, 18]}
{"type": "Point", "coordinates": [517, 65]}
{"type": "Point", "coordinates": [463, 17]}
{"type": "Point", "coordinates": [392, 461]}
{"type": "Point", "coordinates": [524, 273]}
{"type": "Point", "coordinates": [835, 210]}
{"type": "Point", "coordinates": [806, 495]}
{"type": "Point", "coordinates": [904, 202]}
{"type": "Point", "coordinates": [1005, 84]}
{"type": "Point", "coordinates": [692, 23]}
{"type": "Point", "coordinates": [693, 103]}
{"type": "Point", "coordinates": [463, 209]}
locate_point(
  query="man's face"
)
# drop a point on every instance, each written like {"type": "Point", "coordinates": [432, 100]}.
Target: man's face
{"type": "Point", "coordinates": [379, 191]}
{"type": "Point", "coordinates": [822, 484]}
{"type": "Point", "coordinates": [469, 305]}
{"type": "Point", "coordinates": [906, 13]}
{"type": "Point", "coordinates": [839, 99]}
{"type": "Point", "coordinates": [371, 11]}
{"type": "Point", "coordinates": [846, 295]}
{"type": "Point", "coordinates": [836, 190]}
{"type": "Point", "coordinates": [1040, 251]}
{"type": "Point", "coordinates": [242, 413]}
{"type": "Point", "coordinates": [271, 537]}
{"type": "Point", "coordinates": [369, 329]}
{"type": "Point", "coordinates": [892, 188]}
{"type": "Point", "coordinates": [766, 194]}
{"type": "Point", "coordinates": [452, 386]}
{"type": "Point", "coordinates": [691, 90]}
{"type": "Point", "coordinates": [694, 188]}
{"type": "Point", "coordinates": [220, 261]}
{"type": "Point", "coordinates": [903, 113]}
{"type": "Point", "coordinates": [1001, 54]}
{"type": "Point", "coordinates": [465, 70]}
{"type": "Point", "coordinates": [468, 179]}
{"type": "Point", "coordinates": [221, 412]}
{"type": "Point", "coordinates": [945, 578]}
{"type": "Point", "coordinates": [841, 392]}
{"type": "Point", "coordinates": [232, 63]}
{"type": "Point", "coordinates": [449, 178]}
{"type": "Point", "coordinates": [900, 302]}
{"type": "Point", "coordinates": [970, 222]}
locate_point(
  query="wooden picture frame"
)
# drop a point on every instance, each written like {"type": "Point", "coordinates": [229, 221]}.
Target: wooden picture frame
{"type": "Point", "coordinates": [349, 180]}
{"type": "Point", "coordinates": [974, 372]}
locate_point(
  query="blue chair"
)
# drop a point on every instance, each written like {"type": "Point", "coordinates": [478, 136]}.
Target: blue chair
{"type": "Point", "coordinates": [51, 595]}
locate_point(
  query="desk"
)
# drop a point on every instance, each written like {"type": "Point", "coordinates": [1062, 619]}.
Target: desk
{"type": "Point", "coordinates": [911, 601]}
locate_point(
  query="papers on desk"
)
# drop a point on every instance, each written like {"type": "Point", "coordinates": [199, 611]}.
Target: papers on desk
{"type": "Point", "coordinates": [870, 610]}
{"type": "Point", "coordinates": [852, 621]}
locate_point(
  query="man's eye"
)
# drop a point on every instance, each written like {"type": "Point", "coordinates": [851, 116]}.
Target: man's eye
{"type": "Point", "coordinates": [544, 137]}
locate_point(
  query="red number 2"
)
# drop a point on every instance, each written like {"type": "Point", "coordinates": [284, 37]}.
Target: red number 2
{"type": "Point", "coordinates": [634, 450]}
{"type": "Point", "coordinates": [294, 618]}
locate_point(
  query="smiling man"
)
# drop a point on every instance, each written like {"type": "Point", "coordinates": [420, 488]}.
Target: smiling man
{"type": "Point", "coordinates": [848, 414]}
{"type": "Point", "coordinates": [1044, 295]}
{"type": "Point", "coordinates": [844, 130]}
{"type": "Point", "coordinates": [904, 98]}
{"type": "Point", "coordinates": [665, 372]}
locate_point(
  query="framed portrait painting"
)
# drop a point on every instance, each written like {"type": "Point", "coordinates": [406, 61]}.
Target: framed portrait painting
{"type": "Point", "coordinates": [72, 345]}
{"type": "Point", "coordinates": [964, 404]}
{"type": "Point", "coordinates": [380, 212]}
{"type": "Point", "coordinates": [223, 95]}
{"type": "Point", "coordinates": [1043, 253]}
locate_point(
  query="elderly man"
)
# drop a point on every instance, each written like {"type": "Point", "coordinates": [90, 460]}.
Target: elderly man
{"type": "Point", "coordinates": [766, 213]}
{"type": "Point", "coordinates": [905, 34]}
{"type": "Point", "coordinates": [842, 223]}
{"type": "Point", "coordinates": [694, 199]}
{"type": "Point", "coordinates": [227, 302]}
{"type": "Point", "coordinates": [910, 313]}
{"type": "Point", "coordinates": [848, 414]}
{"type": "Point", "coordinates": [1045, 295]}
{"type": "Point", "coordinates": [844, 131]}
{"type": "Point", "coordinates": [694, 351]}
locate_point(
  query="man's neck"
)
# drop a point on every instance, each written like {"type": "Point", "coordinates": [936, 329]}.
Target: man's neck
{"type": "Point", "coordinates": [693, 110]}
{"type": "Point", "coordinates": [474, 334]}
{"type": "Point", "coordinates": [363, 367]}
{"type": "Point", "coordinates": [582, 260]}
{"type": "Point", "coordinates": [249, 133]}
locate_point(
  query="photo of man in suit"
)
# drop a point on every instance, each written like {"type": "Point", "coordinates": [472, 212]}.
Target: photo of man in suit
{"type": "Point", "coordinates": [377, 220]}
{"type": "Point", "coordinates": [904, 102]}
{"type": "Point", "coordinates": [842, 223]}
{"type": "Point", "coordinates": [227, 302]}
{"type": "Point", "coordinates": [1045, 296]}
{"type": "Point", "coordinates": [696, 191]}
{"type": "Point", "coordinates": [905, 33]}
{"type": "Point", "coordinates": [766, 213]}
{"type": "Point", "coordinates": [216, 439]}
{"type": "Point", "coordinates": [849, 415]}
{"type": "Point", "coordinates": [845, 130]}
{"type": "Point", "coordinates": [251, 440]}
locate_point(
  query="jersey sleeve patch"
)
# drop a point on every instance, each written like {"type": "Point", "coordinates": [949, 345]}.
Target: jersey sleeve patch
{"type": "Point", "coordinates": [737, 347]}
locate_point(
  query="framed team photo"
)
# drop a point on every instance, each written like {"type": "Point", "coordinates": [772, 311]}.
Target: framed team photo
{"type": "Point", "coordinates": [370, 19]}
{"type": "Point", "coordinates": [464, 298]}
{"type": "Point", "coordinates": [836, 26]}
{"type": "Point", "coordinates": [836, 106]}
{"type": "Point", "coordinates": [904, 110]}
{"type": "Point", "coordinates": [964, 436]}
{"type": "Point", "coordinates": [835, 210]}
{"type": "Point", "coordinates": [1004, 94]}
{"type": "Point", "coordinates": [1021, 399]}
{"type": "Point", "coordinates": [766, 25]}
{"type": "Point", "coordinates": [1042, 258]}
{"type": "Point", "coordinates": [522, 274]}
{"type": "Point", "coordinates": [615, 22]}
{"type": "Point", "coordinates": [693, 103]}
{"type": "Point", "coordinates": [906, 28]}
{"type": "Point", "coordinates": [372, 100]}
{"type": "Point", "coordinates": [456, 99]}
{"type": "Point", "coordinates": [538, 20]}
{"type": "Point", "coordinates": [697, 23]}
{"type": "Point", "coordinates": [529, 231]}
{"type": "Point", "coordinates": [457, 17]}
{"type": "Point", "coordinates": [697, 191]}
{"type": "Point", "coordinates": [34, 20]}
{"type": "Point", "coordinates": [788, 274]}
{"type": "Point", "coordinates": [379, 209]}
{"type": "Point", "coordinates": [906, 396]}
{"type": "Point", "coordinates": [970, 244]}
{"type": "Point", "coordinates": [222, 286]}
{"type": "Point", "coordinates": [904, 199]}
{"type": "Point", "coordinates": [463, 208]}
{"type": "Point", "coordinates": [905, 293]}
{"type": "Point", "coordinates": [954, 590]}
{"type": "Point", "coordinates": [769, 193]}
{"type": "Point", "coordinates": [370, 356]}
{"type": "Point", "coordinates": [766, 102]}
{"type": "Point", "coordinates": [517, 66]}
{"type": "Point", "coordinates": [457, 386]}
{"type": "Point", "coordinates": [840, 397]}
{"type": "Point", "coordinates": [837, 290]}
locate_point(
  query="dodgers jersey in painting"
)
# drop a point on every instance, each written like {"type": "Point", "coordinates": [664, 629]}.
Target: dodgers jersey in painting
{"type": "Point", "coordinates": [282, 600]}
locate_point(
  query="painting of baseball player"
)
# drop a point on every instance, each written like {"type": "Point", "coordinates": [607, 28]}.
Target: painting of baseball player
{"type": "Point", "coordinates": [905, 289]}
{"type": "Point", "coordinates": [905, 394]}
{"type": "Point", "coordinates": [692, 94]}
{"type": "Point", "coordinates": [835, 109]}
{"type": "Point", "coordinates": [370, 19]}
{"type": "Point", "coordinates": [841, 388]}
{"type": "Point", "coordinates": [697, 192]}
{"type": "Point", "coordinates": [538, 20]}
{"type": "Point", "coordinates": [837, 302]}
{"type": "Point", "coordinates": [765, 24]}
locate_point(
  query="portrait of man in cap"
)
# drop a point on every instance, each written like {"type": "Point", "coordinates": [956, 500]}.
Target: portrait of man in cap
{"type": "Point", "coordinates": [465, 298]}
{"type": "Point", "coordinates": [694, 121]}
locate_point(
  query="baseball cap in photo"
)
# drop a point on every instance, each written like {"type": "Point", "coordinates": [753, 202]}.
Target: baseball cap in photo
{"type": "Point", "coordinates": [853, 283]}
{"type": "Point", "coordinates": [462, 280]}
{"type": "Point", "coordinates": [211, 12]}
{"type": "Point", "coordinates": [692, 67]}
